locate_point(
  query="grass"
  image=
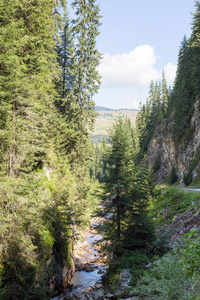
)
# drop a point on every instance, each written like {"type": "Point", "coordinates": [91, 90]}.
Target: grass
{"type": "Point", "coordinates": [171, 201]}
{"type": "Point", "coordinates": [105, 119]}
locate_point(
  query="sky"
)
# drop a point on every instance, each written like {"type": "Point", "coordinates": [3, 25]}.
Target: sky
{"type": "Point", "coordinates": [138, 39]}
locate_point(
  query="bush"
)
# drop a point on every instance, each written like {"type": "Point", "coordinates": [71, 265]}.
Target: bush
{"type": "Point", "coordinates": [187, 179]}
{"type": "Point", "coordinates": [175, 276]}
{"type": "Point", "coordinates": [135, 261]}
{"type": "Point", "coordinates": [157, 163]}
{"type": "Point", "coordinates": [173, 177]}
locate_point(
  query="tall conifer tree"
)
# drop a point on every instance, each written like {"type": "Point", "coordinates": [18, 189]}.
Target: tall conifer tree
{"type": "Point", "coordinates": [28, 68]}
{"type": "Point", "coordinates": [87, 80]}
{"type": "Point", "coordinates": [119, 170]}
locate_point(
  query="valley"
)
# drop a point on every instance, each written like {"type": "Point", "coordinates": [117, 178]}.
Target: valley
{"type": "Point", "coordinates": [105, 118]}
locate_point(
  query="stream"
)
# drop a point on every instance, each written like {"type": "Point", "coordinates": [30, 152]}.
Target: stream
{"type": "Point", "coordinates": [90, 265]}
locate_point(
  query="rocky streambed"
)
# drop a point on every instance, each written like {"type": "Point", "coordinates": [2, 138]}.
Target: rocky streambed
{"type": "Point", "coordinates": [90, 267]}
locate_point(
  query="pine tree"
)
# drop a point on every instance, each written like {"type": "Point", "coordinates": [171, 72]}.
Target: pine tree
{"type": "Point", "coordinates": [87, 80]}
{"type": "Point", "coordinates": [130, 227]}
{"type": "Point", "coordinates": [119, 171]}
{"type": "Point", "coordinates": [164, 96]}
{"type": "Point", "coordinates": [185, 90]}
{"type": "Point", "coordinates": [78, 58]}
{"type": "Point", "coordinates": [66, 59]}
{"type": "Point", "coordinates": [27, 89]}
{"type": "Point", "coordinates": [195, 38]}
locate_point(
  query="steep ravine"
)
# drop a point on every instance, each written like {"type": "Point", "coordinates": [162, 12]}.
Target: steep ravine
{"type": "Point", "coordinates": [175, 156]}
{"type": "Point", "coordinates": [89, 267]}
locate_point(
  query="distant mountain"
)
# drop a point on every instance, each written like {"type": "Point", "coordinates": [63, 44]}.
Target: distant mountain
{"type": "Point", "coordinates": [105, 118]}
{"type": "Point", "coordinates": [102, 108]}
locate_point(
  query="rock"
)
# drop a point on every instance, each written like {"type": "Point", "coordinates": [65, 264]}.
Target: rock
{"type": "Point", "coordinates": [99, 285]}
{"type": "Point", "coordinates": [171, 155]}
{"type": "Point", "coordinates": [63, 272]}
{"type": "Point", "coordinates": [109, 295]}
{"type": "Point", "coordinates": [88, 290]}
{"type": "Point", "coordinates": [88, 297]}
{"type": "Point", "coordinates": [174, 219]}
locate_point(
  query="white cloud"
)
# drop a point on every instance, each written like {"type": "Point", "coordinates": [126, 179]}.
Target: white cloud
{"type": "Point", "coordinates": [134, 69]}
{"type": "Point", "coordinates": [130, 101]}
{"type": "Point", "coordinates": [170, 73]}
{"type": "Point", "coordinates": [126, 77]}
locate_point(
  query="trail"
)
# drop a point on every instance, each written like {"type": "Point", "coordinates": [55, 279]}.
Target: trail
{"type": "Point", "coordinates": [191, 190]}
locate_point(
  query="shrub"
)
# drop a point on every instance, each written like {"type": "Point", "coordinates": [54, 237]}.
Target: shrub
{"type": "Point", "coordinates": [173, 177]}
{"type": "Point", "coordinates": [175, 276]}
{"type": "Point", "coordinates": [157, 163]}
{"type": "Point", "coordinates": [187, 178]}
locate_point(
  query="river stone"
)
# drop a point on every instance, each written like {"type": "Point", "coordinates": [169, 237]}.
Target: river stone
{"type": "Point", "coordinates": [109, 295]}
{"type": "Point", "coordinates": [88, 290]}
{"type": "Point", "coordinates": [98, 285]}
{"type": "Point", "coordinates": [89, 297]}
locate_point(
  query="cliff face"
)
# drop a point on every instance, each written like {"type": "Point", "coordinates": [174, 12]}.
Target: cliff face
{"type": "Point", "coordinates": [63, 270]}
{"type": "Point", "coordinates": [162, 147]}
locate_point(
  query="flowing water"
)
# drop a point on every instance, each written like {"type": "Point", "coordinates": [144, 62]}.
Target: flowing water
{"type": "Point", "coordinates": [89, 264]}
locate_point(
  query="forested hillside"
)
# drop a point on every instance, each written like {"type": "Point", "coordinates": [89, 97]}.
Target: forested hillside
{"type": "Point", "coordinates": [48, 78]}
{"type": "Point", "coordinates": [168, 125]}
{"type": "Point", "coordinates": [52, 177]}
{"type": "Point", "coordinates": [164, 148]}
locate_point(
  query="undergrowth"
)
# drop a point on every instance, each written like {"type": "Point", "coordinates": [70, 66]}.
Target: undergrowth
{"type": "Point", "coordinates": [175, 275]}
{"type": "Point", "coordinates": [170, 201]}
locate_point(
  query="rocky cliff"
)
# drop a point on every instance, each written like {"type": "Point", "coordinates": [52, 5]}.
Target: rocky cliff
{"type": "Point", "coordinates": [62, 269]}
{"type": "Point", "coordinates": [184, 157]}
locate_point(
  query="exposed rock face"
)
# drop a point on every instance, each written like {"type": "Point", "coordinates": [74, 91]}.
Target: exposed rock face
{"type": "Point", "coordinates": [62, 270]}
{"type": "Point", "coordinates": [179, 157]}
{"type": "Point", "coordinates": [181, 224]}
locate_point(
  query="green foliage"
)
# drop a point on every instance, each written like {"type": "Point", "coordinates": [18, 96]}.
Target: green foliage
{"type": "Point", "coordinates": [133, 260]}
{"type": "Point", "coordinates": [130, 229]}
{"type": "Point", "coordinates": [191, 252]}
{"type": "Point", "coordinates": [119, 171]}
{"type": "Point", "coordinates": [96, 163]}
{"type": "Point", "coordinates": [172, 177]}
{"type": "Point", "coordinates": [153, 113]}
{"type": "Point", "coordinates": [79, 79]}
{"type": "Point", "coordinates": [24, 245]}
{"type": "Point", "coordinates": [157, 163]}
{"type": "Point", "coordinates": [27, 90]}
{"type": "Point", "coordinates": [187, 178]}
{"type": "Point", "coordinates": [186, 88]}
{"type": "Point", "coordinates": [45, 187]}
{"type": "Point", "coordinates": [169, 202]}
{"type": "Point", "coordinates": [175, 276]}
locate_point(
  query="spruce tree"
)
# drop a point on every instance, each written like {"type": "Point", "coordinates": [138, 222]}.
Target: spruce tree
{"type": "Point", "coordinates": [119, 172]}
{"type": "Point", "coordinates": [28, 68]}
{"type": "Point", "coordinates": [129, 228]}
{"type": "Point", "coordinates": [164, 96]}
{"type": "Point", "coordinates": [87, 80]}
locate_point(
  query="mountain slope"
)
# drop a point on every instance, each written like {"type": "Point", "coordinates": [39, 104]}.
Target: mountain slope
{"type": "Point", "coordinates": [182, 158]}
{"type": "Point", "coordinates": [105, 119]}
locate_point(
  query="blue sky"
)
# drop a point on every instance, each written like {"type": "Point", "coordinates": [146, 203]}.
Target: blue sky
{"type": "Point", "coordinates": [138, 39]}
